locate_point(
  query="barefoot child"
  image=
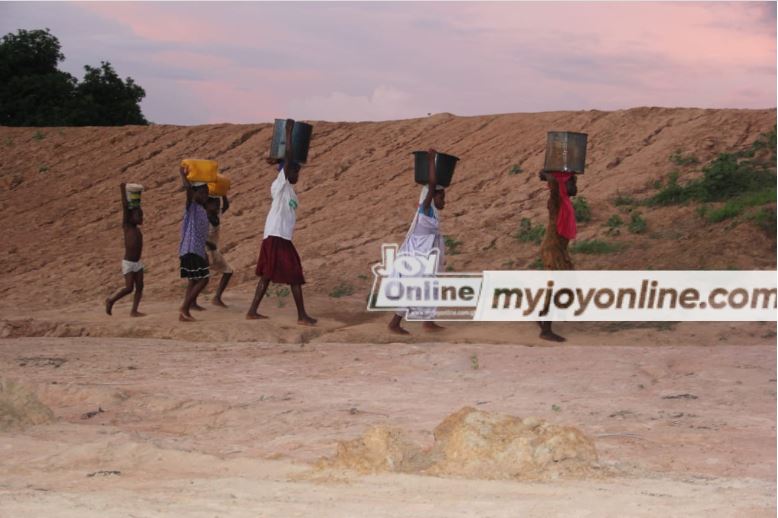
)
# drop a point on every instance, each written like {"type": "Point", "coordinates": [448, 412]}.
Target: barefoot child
{"type": "Point", "coordinates": [278, 259]}
{"type": "Point", "coordinates": [132, 266]}
{"type": "Point", "coordinates": [191, 251]}
{"type": "Point", "coordinates": [216, 261]}
{"type": "Point", "coordinates": [423, 236]}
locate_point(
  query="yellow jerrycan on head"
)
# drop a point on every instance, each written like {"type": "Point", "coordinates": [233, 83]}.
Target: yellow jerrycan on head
{"type": "Point", "coordinates": [220, 187]}
{"type": "Point", "coordinates": [202, 171]}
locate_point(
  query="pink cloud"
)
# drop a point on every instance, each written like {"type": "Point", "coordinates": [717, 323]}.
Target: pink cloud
{"type": "Point", "coordinates": [367, 61]}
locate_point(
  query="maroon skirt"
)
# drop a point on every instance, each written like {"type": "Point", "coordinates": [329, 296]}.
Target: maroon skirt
{"type": "Point", "coordinates": [279, 261]}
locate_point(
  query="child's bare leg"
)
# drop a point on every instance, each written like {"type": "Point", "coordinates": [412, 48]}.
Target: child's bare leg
{"type": "Point", "coordinates": [197, 288]}
{"type": "Point", "coordinates": [110, 301]}
{"type": "Point", "coordinates": [185, 315]}
{"type": "Point", "coordinates": [138, 278]}
{"type": "Point", "coordinates": [395, 327]}
{"type": "Point", "coordinates": [302, 316]}
{"type": "Point", "coordinates": [217, 298]}
{"type": "Point", "coordinates": [259, 293]}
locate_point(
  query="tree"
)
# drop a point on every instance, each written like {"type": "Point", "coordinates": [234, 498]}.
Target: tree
{"type": "Point", "coordinates": [103, 99]}
{"type": "Point", "coordinates": [34, 92]}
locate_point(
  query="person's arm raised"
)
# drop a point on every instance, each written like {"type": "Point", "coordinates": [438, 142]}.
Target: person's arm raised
{"type": "Point", "coordinates": [125, 203]}
{"type": "Point", "coordinates": [288, 148]}
{"type": "Point", "coordinates": [433, 181]}
{"type": "Point", "coordinates": [185, 184]}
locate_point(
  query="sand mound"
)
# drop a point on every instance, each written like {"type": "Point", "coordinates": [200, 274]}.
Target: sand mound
{"type": "Point", "coordinates": [484, 445]}
{"type": "Point", "coordinates": [380, 449]}
{"type": "Point", "coordinates": [20, 408]}
{"type": "Point", "coordinates": [475, 444]}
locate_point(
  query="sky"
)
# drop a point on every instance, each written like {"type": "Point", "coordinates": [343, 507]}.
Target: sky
{"type": "Point", "coordinates": [248, 62]}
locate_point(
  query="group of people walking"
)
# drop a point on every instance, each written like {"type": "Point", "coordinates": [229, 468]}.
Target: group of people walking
{"type": "Point", "coordinates": [279, 261]}
{"type": "Point", "coordinates": [199, 253]}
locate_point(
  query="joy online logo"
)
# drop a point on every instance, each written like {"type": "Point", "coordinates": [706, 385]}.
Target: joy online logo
{"type": "Point", "coordinates": [404, 280]}
{"type": "Point", "coordinates": [404, 264]}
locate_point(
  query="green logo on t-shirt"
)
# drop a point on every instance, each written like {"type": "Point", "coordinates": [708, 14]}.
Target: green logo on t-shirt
{"type": "Point", "coordinates": [293, 204]}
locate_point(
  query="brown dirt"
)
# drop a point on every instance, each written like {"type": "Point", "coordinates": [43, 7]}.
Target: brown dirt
{"type": "Point", "coordinates": [475, 444]}
{"type": "Point", "coordinates": [20, 408]}
{"type": "Point", "coordinates": [232, 429]}
{"type": "Point", "coordinates": [225, 416]}
{"type": "Point", "coordinates": [60, 200]}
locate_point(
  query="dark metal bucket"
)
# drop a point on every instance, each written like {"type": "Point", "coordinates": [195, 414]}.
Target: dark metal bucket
{"type": "Point", "coordinates": [301, 140]}
{"type": "Point", "coordinates": [565, 152]}
{"type": "Point", "coordinates": [444, 168]}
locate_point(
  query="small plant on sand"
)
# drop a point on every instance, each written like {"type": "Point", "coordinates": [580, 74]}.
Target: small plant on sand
{"type": "Point", "coordinates": [613, 224]}
{"type": "Point", "coordinates": [516, 169]}
{"type": "Point", "coordinates": [765, 219]}
{"type": "Point", "coordinates": [362, 277]}
{"type": "Point", "coordinates": [637, 224]}
{"type": "Point", "coordinates": [583, 212]}
{"type": "Point", "coordinates": [556, 408]}
{"type": "Point", "coordinates": [670, 192]}
{"type": "Point", "coordinates": [680, 159]}
{"type": "Point", "coordinates": [529, 232]}
{"type": "Point", "coordinates": [595, 247]}
{"type": "Point", "coordinates": [474, 361]}
{"type": "Point", "coordinates": [343, 289]}
{"type": "Point", "coordinates": [452, 245]}
{"type": "Point", "coordinates": [43, 168]}
{"type": "Point", "coordinates": [38, 135]}
{"type": "Point", "coordinates": [280, 293]}
{"type": "Point", "coordinates": [621, 200]}
{"type": "Point", "coordinates": [9, 142]}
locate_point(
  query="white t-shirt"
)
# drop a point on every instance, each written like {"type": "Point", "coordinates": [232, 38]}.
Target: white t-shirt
{"type": "Point", "coordinates": [282, 216]}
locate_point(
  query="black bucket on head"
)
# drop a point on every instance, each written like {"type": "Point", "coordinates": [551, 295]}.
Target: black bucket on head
{"type": "Point", "coordinates": [444, 168]}
{"type": "Point", "coordinates": [565, 152]}
{"type": "Point", "coordinates": [301, 141]}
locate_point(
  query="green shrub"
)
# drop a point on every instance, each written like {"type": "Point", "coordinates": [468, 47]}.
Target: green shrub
{"type": "Point", "coordinates": [637, 224]}
{"type": "Point", "coordinates": [766, 141]}
{"type": "Point", "coordinates": [343, 289]}
{"type": "Point", "coordinates": [279, 292]}
{"type": "Point", "coordinates": [582, 211]}
{"type": "Point", "coordinates": [728, 176]}
{"type": "Point", "coordinates": [516, 169]}
{"type": "Point", "coordinates": [679, 159]}
{"type": "Point", "coordinates": [765, 219]}
{"type": "Point", "coordinates": [613, 224]}
{"type": "Point", "coordinates": [529, 232]}
{"type": "Point", "coordinates": [672, 193]}
{"type": "Point", "coordinates": [595, 247]}
{"type": "Point", "coordinates": [537, 264]}
{"type": "Point", "coordinates": [727, 211]}
{"type": "Point", "coordinates": [614, 221]}
{"type": "Point", "coordinates": [623, 200]}
{"type": "Point", "coordinates": [452, 245]}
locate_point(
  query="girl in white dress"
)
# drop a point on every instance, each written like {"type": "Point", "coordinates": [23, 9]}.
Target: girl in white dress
{"type": "Point", "coordinates": [424, 236]}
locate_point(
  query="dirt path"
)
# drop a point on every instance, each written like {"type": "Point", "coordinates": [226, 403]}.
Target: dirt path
{"type": "Point", "coordinates": [231, 429]}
